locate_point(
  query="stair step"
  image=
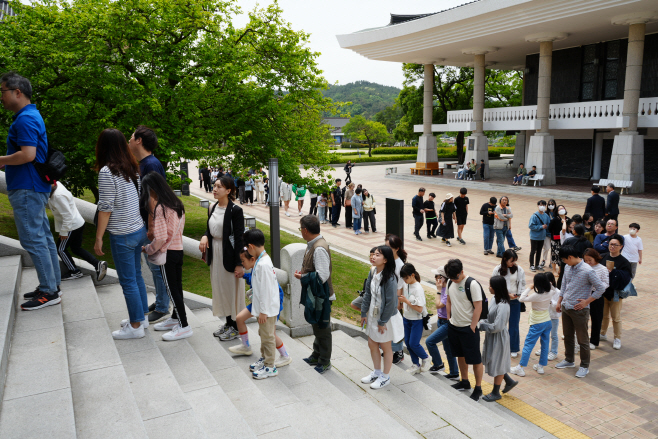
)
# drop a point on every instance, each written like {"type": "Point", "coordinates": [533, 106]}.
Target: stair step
{"type": "Point", "coordinates": [10, 273]}
{"type": "Point", "coordinates": [37, 373]}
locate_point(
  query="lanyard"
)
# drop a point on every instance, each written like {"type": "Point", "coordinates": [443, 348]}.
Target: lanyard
{"type": "Point", "coordinates": [253, 272]}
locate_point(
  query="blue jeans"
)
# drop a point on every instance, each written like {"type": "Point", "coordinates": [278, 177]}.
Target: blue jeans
{"type": "Point", "coordinates": [541, 331]}
{"type": "Point", "coordinates": [161, 296]}
{"type": "Point", "coordinates": [514, 318]}
{"type": "Point", "coordinates": [438, 336]}
{"type": "Point", "coordinates": [356, 224]}
{"type": "Point", "coordinates": [413, 332]}
{"type": "Point", "coordinates": [518, 179]}
{"type": "Point", "coordinates": [554, 340]}
{"type": "Point", "coordinates": [488, 235]}
{"type": "Point", "coordinates": [127, 254]}
{"type": "Point", "coordinates": [500, 242]}
{"type": "Point", "coordinates": [397, 347]}
{"type": "Point", "coordinates": [34, 235]}
{"type": "Point", "coordinates": [510, 239]}
{"type": "Point", "coordinates": [321, 213]}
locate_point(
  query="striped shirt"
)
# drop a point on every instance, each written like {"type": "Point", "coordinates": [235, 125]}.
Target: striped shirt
{"type": "Point", "coordinates": [167, 231]}
{"type": "Point", "coordinates": [118, 196]}
{"type": "Point", "coordinates": [580, 282]}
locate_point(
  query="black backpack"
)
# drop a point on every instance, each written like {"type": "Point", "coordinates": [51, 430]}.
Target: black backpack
{"type": "Point", "coordinates": [467, 288]}
{"type": "Point", "coordinates": [53, 168]}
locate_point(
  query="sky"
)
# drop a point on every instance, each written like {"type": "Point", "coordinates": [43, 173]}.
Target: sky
{"type": "Point", "coordinates": [326, 19]}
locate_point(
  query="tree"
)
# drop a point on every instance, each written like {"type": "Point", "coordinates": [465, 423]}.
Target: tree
{"type": "Point", "coordinates": [389, 116]}
{"type": "Point", "coordinates": [209, 90]}
{"type": "Point", "coordinates": [361, 129]}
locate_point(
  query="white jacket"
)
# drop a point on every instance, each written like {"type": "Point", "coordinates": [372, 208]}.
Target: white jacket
{"type": "Point", "coordinates": [265, 298]}
{"type": "Point", "coordinates": [67, 217]}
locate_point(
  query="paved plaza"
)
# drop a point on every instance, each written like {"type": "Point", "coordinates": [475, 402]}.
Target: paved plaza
{"type": "Point", "coordinates": [619, 397]}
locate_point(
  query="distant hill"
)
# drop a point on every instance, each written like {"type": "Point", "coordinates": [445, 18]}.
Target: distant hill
{"type": "Point", "coordinates": [367, 98]}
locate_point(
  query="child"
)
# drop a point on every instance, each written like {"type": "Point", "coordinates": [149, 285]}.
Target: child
{"type": "Point", "coordinates": [266, 188]}
{"type": "Point", "coordinates": [632, 249]}
{"type": "Point", "coordinates": [555, 317]}
{"type": "Point", "coordinates": [322, 208]}
{"type": "Point", "coordinates": [166, 249]}
{"type": "Point", "coordinates": [482, 169]}
{"type": "Point", "coordinates": [430, 216]}
{"type": "Point", "coordinates": [540, 324]}
{"type": "Point", "coordinates": [496, 349]}
{"type": "Point", "coordinates": [330, 204]}
{"type": "Point", "coordinates": [244, 348]}
{"type": "Point", "coordinates": [265, 303]}
{"type": "Point", "coordinates": [356, 303]}
{"type": "Point", "coordinates": [414, 306]}
{"type": "Point", "coordinates": [380, 312]}
{"type": "Point", "coordinates": [70, 225]}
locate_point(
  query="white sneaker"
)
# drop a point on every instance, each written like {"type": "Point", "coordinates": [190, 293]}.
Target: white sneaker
{"type": "Point", "coordinates": [178, 333]}
{"type": "Point", "coordinates": [282, 361]}
{"type": "Point", "coordinates": [515, 354]}
{"type": "Point", "coordinates": [287, 214]}
{"type": "Point", "coordinates": [517, 370]}
{"type": "Point", "coordinates": [538, 352]}
{"type": "Point", "coordinates": [167, 325]}
{"type": "Point", "coordinates": [425, 365]}
{"type": "Point", "coordinates": [552, 356]}
{"type": "Point", "coordinates": [370, 378]}
{"type": "Point", "coordinates": [592, 347]}
{"type": "Point", "coordinates": [603, 337]}
{"type": "Point", "coordinates": [257, 365]}
{"type": "Point", "coordinates": [616, 344]}
{"type": "Point", "coordinates": [241, 349]}
{"type": "Point", "coordinates": [414, 369]}
{"type": "Point", "coordinates": [381, 382]}
{"type": "Point", "coordinates": [265, 372]}
{"type": "Point", "coordinates": [145, 322]}
{"type": "Point", "coordinates": [582, 372]}
{"type": "Point", "coordinates": [127, 331]}
{"type": "Point", "coordinates": [539, 369]}
{"type": "Point", "coordinates": [300, 213]}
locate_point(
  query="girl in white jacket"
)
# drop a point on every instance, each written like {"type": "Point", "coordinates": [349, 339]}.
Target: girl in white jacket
{"type": "Point", "coordinates": [70, 225]}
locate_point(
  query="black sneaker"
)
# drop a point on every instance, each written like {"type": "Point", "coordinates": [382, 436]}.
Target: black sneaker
{"type": "Point", "coordinates": [461, 241]}
{"type": "Point", "coordinates": [542, 264]}
{"type": "Point", "coordinates": [313, 361]}
{"type": "Point", "coordinates": [322, 368]}
{"type": "Point", "coordinates": [448, 243]}
{"type": "Point", "coordinates": [517, 249]}
{"type": "Point", "coordinates": [72, 275]}
{"type": "Point", "coordinates": [477, 394]}
{"type": "Point", "coordinates": [462, 385]}
{"type": "Point", "coordinates": [41, 301]}
{"type": "Point", "coordinates": [101, 271]}
{"type": "Point", "coordinates": [509, 386]}
{"type": "Point", "coordinates": [532, 268]}
{"type": "Point", "coordinates": [37, 292]}
{"type": "Point", "coordinates": [398, 357]}
{"type": "Point", "coordinates": [156, 316]}
{"type": "Point", "coordinates": [418, 238]}
{"type": "Point", "coordinates": [435, 368]}
{"type": "Point", "coordinates": [452, 376]}
{"type": "Point", "coordinates": [152, 307]}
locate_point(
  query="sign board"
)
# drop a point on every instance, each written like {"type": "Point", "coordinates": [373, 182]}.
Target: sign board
{"type": "Point", "coordinates": [471, 144]}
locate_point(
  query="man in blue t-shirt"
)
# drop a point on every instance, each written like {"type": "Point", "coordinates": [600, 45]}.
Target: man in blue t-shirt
{"type": "Point", "coordinates": [28, 193]}
{"type": "Point", "coordinates": [142, 144]}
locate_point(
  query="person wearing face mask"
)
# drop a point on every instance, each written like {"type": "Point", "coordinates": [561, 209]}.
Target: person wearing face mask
{"type": "Point", "coordinates": [538, 226]}
{"type": "Point", "coordinates": [633, 247]}
{"type": "Point", "coordinates": [555, 229]}
{"type": "Point", "coordinates": [515, 278]}
{"type": "Point", "coordinates": [601, 241]}
{"type": "Point", "coordinates": [595, 204]}
{"type": "Point", "coordinates": [545, 253]}
{"type": "Point", "coordinates": [588, 222]}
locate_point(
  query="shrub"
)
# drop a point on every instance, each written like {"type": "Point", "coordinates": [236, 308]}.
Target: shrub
{"type": "Point", "coordinates": [354, 145]}
{"type": "Point", "coordinates": [175, 182]}
{"type": "Point", "coordinates": [364, 158]}
{"type": "Point", "coordinates": [501, 150]}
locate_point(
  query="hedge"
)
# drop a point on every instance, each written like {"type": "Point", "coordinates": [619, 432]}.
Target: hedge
{"type": "Point", "coordinates": [364, 158]}
{"type": "Point", "coordinates": [501, 150]}
{"type": "Point", "coordinates": [353, 145]}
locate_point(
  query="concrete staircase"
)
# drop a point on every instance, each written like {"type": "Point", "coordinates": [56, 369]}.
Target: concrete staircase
{"type": "Point", "coordinates": [66, 378]}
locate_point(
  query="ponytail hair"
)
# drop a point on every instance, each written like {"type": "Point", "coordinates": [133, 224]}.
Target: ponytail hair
{"type": "Point", "coordinates": [395, 242]}
{"type": "Point", "coordinates": [409, 270]}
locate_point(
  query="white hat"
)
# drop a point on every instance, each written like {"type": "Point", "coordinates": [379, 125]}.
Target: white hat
{"type": "Point", "coordinates": [439, 272]}
{"type": "Point", "coordinates": [448, 196]}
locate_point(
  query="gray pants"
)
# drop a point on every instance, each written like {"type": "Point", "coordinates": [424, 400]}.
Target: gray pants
{"type": "Point", "coordinates": [369, 220]}
{"type": "Point", "coordinates": [241, 194]}
{"type": "Point", "coordinates": [633, 269]}
{"type": "Point", "coordinates": [576, 321]}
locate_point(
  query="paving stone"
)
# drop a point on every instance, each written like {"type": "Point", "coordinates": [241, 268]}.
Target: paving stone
{"type": "Point", "coordinates": [174, 426]}
{"type": "Point", "coordinates": [53, 417]}
{"type": "Point", "coordinates": [89, 345]}
{"type": "Point", "coordinates": [105, 406]}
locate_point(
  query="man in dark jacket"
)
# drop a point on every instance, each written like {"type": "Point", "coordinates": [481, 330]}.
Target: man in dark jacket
{"type": "Point", "coordinates": [612, 205]}
{"type": "Point", "coordinates": [417, 206]}
{"type": "Point", "coordinates": [595, 204]}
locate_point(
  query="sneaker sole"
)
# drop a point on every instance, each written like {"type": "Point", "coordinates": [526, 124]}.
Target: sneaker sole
{"type": "Point", "coordinates": [262, 377]}
{"type": "Point", "coordinates": [169, 328]}
{"type": "Point", "coordinates": [229, 338]}
{"type": "Point", "coordinates": [178, 337]}
{"type": "Point", "coordinates": [283, 363]}
{"type": "Point", "coordinates": [101, 275]}
{"type": "Point", "coordinates": [381, 387]}
{"type": "Point", "coordinates": [246, 353]}
{"type": "Point", "coordinates": [72, 277]}
{"type": "Point", "coordinates": [564, 367]}
{"type": "Point", "coordinates": [49, 303]}
{"type": "Point", "coordinates": [324, 370]}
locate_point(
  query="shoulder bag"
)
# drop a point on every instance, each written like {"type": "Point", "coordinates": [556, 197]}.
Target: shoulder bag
{"type": "Point", "coordinates": [53, 168]}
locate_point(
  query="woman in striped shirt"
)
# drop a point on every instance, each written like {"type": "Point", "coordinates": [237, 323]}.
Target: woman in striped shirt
{"type": "Point", "coordinates": [118, 213]}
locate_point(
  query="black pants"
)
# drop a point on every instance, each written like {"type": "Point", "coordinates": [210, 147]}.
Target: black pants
{"type": "Point", "coordinates": [241, 194]}
{"type": "Point", "coordinates": [335, 214]}
{"type": "Point", "coordinates": [432, 224]}
{"type": "Point", "coordinates": [322, 344]}
{"type": "Point", "coordinates": [207, 185]}
{"type": "Point", "coordinates": [173, 280]}
{"type": "Point", "coordinates": [348, 179]}
{"type": "Point", "coordinates": [348, 217]}
{"type": "Point", "coordinates": [249, 196]}
{"type": "Point", "coordinates": [418, 224]}
{"type": "Point", "coordinates": [596, 314]}
{"type": "Point", "coordinates": [535, 252]}
{"type": "Point", "coordinates": [200, 182]}
{"type": "Point", "coordinates": [314, 207]}
{"type": "Point", "coordinates": [74, 241]}
{"type": "Point", "coordinates": [369, 220]}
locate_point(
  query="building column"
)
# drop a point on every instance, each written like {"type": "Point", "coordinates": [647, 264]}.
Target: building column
{"type": "Point", "coordinates": [627, 161]}
{"type": "Point", "coordinates": [477, 147]}
{"type": "Point", "coordinates": [541, 151]}
{"type": "Point", "coordinates": [519, 149]}
{"type": "Point", "coordinates": [598, 155]}
{"type": "Point", "coordinates": [427, 155]}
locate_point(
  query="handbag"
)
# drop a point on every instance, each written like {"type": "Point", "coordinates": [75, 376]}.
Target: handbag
{"type": "Point", "coordinates": [160, 257]}
{"type": "Point", "coordinates": [53, 168]}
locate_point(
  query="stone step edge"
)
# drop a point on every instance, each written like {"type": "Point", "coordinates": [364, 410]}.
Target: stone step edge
{"type": "Point", "coordinates": [8, 332]}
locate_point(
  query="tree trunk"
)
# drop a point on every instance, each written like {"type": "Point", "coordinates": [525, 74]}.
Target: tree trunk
{"type": "Point", "coordinates": [369, 149]}
{"type": "Point", "coordinates": [460, 146]}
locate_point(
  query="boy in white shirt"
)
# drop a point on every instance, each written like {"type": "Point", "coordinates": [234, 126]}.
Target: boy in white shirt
{"type": "Point", "coordinates": [265, 303]}
{"type": "Point", "coordinates": [633, 247]}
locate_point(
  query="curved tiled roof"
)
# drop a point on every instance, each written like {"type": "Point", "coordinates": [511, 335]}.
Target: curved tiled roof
{"type": "Point", "coordinates": [399, 18]}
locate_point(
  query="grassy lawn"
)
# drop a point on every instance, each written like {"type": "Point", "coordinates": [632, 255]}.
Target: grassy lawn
{"type": "Point", "coordinates": [348, 274]}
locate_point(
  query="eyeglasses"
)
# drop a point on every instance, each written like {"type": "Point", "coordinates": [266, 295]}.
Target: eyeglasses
{"type": "Point", "coordinates": [614, 245]}
{"type": "Point", "coordinates": [300, 229]}
{"type": "Point", "coordinates": [8, 89]}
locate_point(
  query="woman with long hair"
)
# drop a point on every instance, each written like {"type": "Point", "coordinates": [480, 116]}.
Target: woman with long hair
{"type": "Point", "coordinates": [546, 249]}
{"type": "Point", "coordinates": [369, 211]}
{"type": "Point", "coordinates": [555, 229]}
{"type": "Point", "coordinates": [118, 213]}
{"type": "Point", "coordinates": [379, 308]}
{"type": "Point", "coordinates": [349, 192]}
{"type": "Point", "coordinates": [496, 351]}
{"type": "Point", "coordinates": [593, 259]}
{"type": "Point", "coordinates": [400, 256]}
{"type": "Point", "coordinates": [221, 245]}
{"type": "Point", "coordinates": [515, 278]}
{"type": "Point", "coordinates": [168, 215]}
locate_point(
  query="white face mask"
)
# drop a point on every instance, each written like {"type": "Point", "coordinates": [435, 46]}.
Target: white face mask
{"type": "Point", "coordinates": [632, 232]}
{"type": "Point", "coordinates": [562, 212]}
{"type": "Point", "coordinates": [542, 208]}
{"type": "Point", "coordinates": [551, 207]}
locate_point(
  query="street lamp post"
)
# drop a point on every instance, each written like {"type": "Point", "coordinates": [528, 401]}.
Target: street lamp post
{"type": "Point", "coordinates": [275, 226]}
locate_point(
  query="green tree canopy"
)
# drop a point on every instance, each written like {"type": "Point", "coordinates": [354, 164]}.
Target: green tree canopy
{"type": "Point", "coordinates": [208, 89]}
{"type": "Point", "coordinates": [361, 129]}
